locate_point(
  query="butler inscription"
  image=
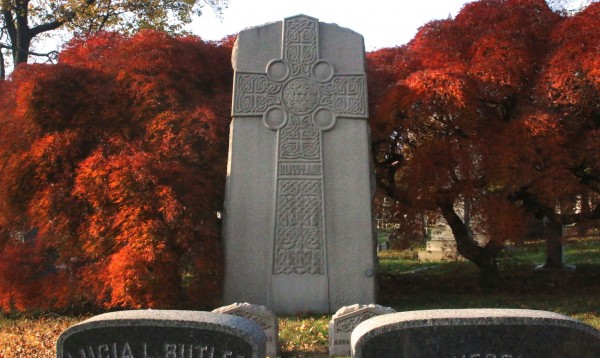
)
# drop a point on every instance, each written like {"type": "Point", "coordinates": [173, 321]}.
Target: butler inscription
{"type": "Point", "coordinates": [162, 334]}
{"type": "Point", "coordinates": [149, 350]}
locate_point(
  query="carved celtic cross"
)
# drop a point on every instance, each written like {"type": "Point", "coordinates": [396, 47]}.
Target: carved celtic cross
{"type": "Point", "coordinates": [300, 95]}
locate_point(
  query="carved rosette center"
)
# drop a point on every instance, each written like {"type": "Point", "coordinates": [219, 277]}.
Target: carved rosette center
{"type": "Point", "coordinates": [301, 96]}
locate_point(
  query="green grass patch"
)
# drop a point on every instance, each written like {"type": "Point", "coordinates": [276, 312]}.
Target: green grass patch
{"type": "Point", "coordinates": [456, 284]}
{"type": "Point", "coordinates": [399, 262]}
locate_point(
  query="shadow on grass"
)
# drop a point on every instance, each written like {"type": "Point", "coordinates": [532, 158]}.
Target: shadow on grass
{"type": "Point", "coordinates": [456, 284]}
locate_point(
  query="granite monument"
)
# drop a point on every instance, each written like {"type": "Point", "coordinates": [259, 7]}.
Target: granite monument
{"type": "Point", "coordinates": [298, 227]}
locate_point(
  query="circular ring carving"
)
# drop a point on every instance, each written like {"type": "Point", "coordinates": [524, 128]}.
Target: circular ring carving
{"type": "Point", "coordinates": [275, 118]}
{"type": "Point", "coordinates": [323, 71]}
{"type": "Point", "coordinates": [277, 70]}
{"type": "Point", "coordinates": [324, 119]}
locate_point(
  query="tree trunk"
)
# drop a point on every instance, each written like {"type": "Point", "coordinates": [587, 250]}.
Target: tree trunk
{"type": "Point", "coordinates": [554, 246]}
{"type": "Point", "coordinates": [20, 34]}
{"type": "Point", "coordinates": [484, 257]}
{"type": "Point", "coordinates": [21, 50]}
{"type": "Point", "coordinates": [2, 68]}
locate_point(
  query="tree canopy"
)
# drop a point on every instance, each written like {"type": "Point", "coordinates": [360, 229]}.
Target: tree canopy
{"type": "Point", "coordinates": [498, 106]}
{"type": "Point", "coordinates": [112, 172]}
{"type": "Point", "coordinates": [23, 20]}
{"type": "Point", "coordinates": [112, 162]}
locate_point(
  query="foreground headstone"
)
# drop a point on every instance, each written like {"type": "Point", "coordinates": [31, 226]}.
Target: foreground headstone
{"type": "Point", "coordinates": [475, 333]}
{"type": "Point", "coordinates": [162, 334]}
{"type": "Point", "coordinates": [345, 320]}
{"type": "Point", "coordinates": [298, 230]}
{"type": "Point", "coordinates": [262, 316]}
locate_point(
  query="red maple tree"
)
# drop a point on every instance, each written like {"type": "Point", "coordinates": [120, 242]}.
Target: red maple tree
{"type": "Point", "coordinates": [460, 115]}
{"type": "Point", "coordinates": [113, 165]}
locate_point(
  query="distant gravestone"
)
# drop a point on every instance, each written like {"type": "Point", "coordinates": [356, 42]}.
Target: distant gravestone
{"type": "Point", "coordinates": [475, 333]}
{"type": "Point", "coordinates": [298, 226]}
{"type": "Point", "coordinates": [345, 320]}
{"type": "Point", "coordinates": [555, 235]}
{"type": "Point", "coordinates": [162, 334]}
{"type": "Point", "coordinates": [442, 245]}
{"type": "Point", "coordinates": [262, 316]}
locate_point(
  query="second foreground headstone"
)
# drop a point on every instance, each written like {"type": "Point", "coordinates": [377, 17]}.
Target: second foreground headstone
{"type": "Point", "coordinates": [260, 315]}
{"type": "Point", "coordinates": [345, 320]}
{"type": "Point", "coordinates": [298, 230]}
{"type": "Point", "coordinates": [481, 333]}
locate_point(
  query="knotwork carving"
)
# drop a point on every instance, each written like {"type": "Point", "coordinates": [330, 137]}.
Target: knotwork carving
{"type": "Point", "coordinates": [300, 45]}
{"type": "Point", "coordinates": [255, 94]}
{"type": "Point", "coordinates": [263, 323]}
{"type": "Point", "coordinates": [299, 245]}
{"type": "Point", "coordinates": [300, 139]}
{"type": "Point", "coordinates": [299, 96]}
{"type": "Point", "coordinates": [348, 324]}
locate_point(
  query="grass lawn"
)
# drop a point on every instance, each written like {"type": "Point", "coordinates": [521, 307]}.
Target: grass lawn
{"type": "Point", "coordinates": [404, 284]}
{"type": "Point", "coordinates": [455, 284]}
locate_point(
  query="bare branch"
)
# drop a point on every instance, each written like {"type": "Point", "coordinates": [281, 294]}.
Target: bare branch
{"type": "Point", "coordinates": [52, 55]}
{"type": "Point", "coordinates": [47, 27]}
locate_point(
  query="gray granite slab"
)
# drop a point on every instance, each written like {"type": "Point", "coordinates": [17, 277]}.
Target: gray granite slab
{"type": "Point", "coordinates": [344, 321]}
{"type": "Point", "coordinates": [261, 315]}
{"type": "Point", "coordinates": [162, 334]}
{"type": "Point", "coordinates": [475, 333]}
{"type": "Point", "coordinates": [298, 226]}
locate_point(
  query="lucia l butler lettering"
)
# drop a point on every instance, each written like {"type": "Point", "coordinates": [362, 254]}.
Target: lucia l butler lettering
{"type": "Point", "coordinates": [145, 350]}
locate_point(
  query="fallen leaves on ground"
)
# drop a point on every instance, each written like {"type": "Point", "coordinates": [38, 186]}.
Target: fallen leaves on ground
{"type": "Point", "coordinates": [32, 337]}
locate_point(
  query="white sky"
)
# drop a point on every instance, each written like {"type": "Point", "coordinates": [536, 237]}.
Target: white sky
{"type": "Point", "coordinates": [383, 23]}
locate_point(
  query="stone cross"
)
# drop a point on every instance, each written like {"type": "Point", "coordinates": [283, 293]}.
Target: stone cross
{"type": "Point", "coordinates": [300, 96]}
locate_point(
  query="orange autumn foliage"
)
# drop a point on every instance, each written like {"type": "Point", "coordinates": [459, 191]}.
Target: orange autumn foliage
{"type": "Point", "coordinates": [113, 168]}
{"type": "Point", "coordinates": [500, 107]}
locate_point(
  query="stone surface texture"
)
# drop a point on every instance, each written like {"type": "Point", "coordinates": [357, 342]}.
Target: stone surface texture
{"type": "Point", "coordinates": [298, 226]}
{"type": "Point", "coordinates": [490, 333]}
{"type": "Point", "coordinates": [345, 320]}
{"type": "Point", "coordinates": [163, 333]}
{"type": "Point", "coordinates": [261, 315]}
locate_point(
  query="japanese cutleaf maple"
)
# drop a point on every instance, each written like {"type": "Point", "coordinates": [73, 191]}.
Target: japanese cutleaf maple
{"type": "Point", "coordinates": [114, 168]}
{"type": "Point", "coordinates": [458, 120]}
